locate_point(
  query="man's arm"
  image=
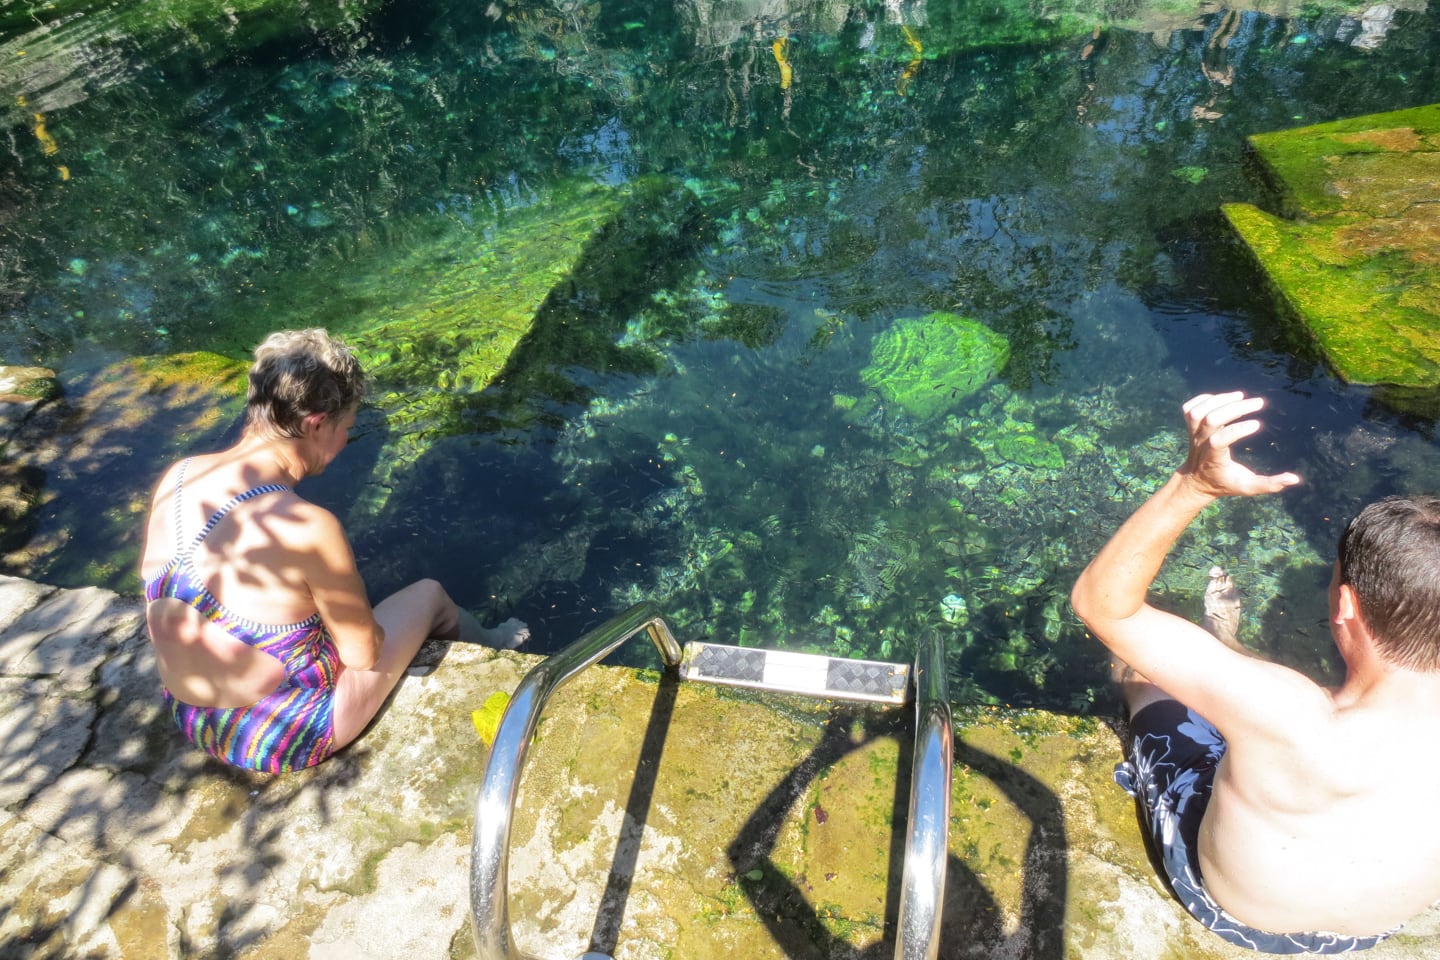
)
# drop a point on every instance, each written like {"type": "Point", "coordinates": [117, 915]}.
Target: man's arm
{"type": "Point", "coordinates": [1176, 655]}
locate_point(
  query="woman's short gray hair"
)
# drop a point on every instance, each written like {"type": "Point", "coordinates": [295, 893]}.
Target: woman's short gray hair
{"type": "Point", "coordinates": [298, 373]}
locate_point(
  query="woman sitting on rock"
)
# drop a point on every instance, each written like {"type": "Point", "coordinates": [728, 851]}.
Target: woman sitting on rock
{"type": "Point", "coordinates": [270, 654]}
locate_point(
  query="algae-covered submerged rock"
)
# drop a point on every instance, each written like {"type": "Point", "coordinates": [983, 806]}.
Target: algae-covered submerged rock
{"type": "Point", "coordinates": [1359, 258]}
{"type": "Point", "coordinates": [929, 364]}
{"type": "Point", "coordinates": [49, 50]}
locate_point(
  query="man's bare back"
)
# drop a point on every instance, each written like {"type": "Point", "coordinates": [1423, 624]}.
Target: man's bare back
{"type": "Point", "coordinates": [1284, 845]}
{"type": "Point", "coordinates": [1313, 803]}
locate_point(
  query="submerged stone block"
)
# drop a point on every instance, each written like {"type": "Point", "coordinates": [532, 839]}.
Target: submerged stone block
{"type": "Point", "coordinates": [526, 305]}
{"type": "Point", "coordinates": [930, 364]}
{"type": "Point", "coordinates": [1356, 254]}
{"type": "Point", "coordinates": [449, 315]}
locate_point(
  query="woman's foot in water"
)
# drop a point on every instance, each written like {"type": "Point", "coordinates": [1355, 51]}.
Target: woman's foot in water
{"type": "Point", "coordinates": [506, 636]}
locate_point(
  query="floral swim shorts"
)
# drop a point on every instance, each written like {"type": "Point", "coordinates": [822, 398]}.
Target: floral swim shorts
{"type": "Point", "coordinates": [1173, 755]}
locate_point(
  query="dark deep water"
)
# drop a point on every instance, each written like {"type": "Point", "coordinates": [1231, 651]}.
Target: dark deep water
{"type": "Point", "coordinates": [706, 437]}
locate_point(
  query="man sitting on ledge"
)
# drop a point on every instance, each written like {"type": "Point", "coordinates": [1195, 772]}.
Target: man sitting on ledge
{"type": "Point", "coordinates": [1276, 804]}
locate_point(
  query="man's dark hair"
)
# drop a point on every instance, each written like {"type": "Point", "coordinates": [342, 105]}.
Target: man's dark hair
{"type": "Point", "coordinates": [1390, 557]}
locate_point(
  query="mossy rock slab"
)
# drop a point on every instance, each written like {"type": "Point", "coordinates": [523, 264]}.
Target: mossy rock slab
{"type": "Point", "coordinates": [437, 326]}
{"type": "Point", "coordinates": [927, 365]}
{"type": "Point", "coordinates": [446, 313]}
{"type": "Point", "coordinates": [1357, 256]}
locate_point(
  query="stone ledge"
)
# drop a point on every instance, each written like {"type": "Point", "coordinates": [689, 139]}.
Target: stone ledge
{"type": "Point", "coordinates": [751, 827]}
{"type": "Point", "coordinates": [1355, 256]}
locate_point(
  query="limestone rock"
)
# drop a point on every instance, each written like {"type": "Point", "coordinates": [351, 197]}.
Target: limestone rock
{"type": "Point", "coordinates": [655, 819]}
{"type": "Point", "coordinates": [1358, 255]}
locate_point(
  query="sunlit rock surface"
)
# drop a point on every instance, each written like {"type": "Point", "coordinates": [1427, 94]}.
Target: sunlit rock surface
{"type": "Point", "coordinates": [744, 827]}
{"type": "Point", "coordinates": [1357, 252]}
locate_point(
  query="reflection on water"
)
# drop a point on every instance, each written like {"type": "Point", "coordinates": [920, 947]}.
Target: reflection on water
{"type": "Point", "coordinates": [848, 166]}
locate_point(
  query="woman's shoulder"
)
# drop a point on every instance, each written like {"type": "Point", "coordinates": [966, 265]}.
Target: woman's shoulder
{"type": "Point", "coordinates": [165, 484]}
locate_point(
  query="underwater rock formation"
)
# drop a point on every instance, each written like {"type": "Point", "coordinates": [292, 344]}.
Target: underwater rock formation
{"type": "Point", "coordinates": [1356, 256]}
{"type": "Point", "coordinates": [523, 309]}
{"type": "Point", "coordinates": [929, 364]}
{"type": "Point", "coordinates": [451, 317]}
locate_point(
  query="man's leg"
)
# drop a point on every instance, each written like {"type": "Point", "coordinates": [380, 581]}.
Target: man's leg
{"type": "Point", "coordinates": [409, 615]}
{"type": "Point", "coordinates": [1222, 609]}
{"type": "Point", "coordinates": [1137, 691]}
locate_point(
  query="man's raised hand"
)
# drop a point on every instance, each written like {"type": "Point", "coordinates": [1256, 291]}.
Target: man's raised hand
{"type": "Point", "coordinates": [1216, 422]}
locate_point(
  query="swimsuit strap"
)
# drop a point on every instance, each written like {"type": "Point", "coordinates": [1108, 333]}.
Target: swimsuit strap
{"type": "Point", "coordinates": [179, 515]}
{"type": "Point", "coordinates": [218, 515]}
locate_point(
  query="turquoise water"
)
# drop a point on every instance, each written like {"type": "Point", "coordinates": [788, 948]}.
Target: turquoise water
{"type": "Point", "coordinates": [699, 430]}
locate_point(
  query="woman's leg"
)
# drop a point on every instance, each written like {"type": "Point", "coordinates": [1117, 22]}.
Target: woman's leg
{"type": "Point", "coordinates": [423, 609]}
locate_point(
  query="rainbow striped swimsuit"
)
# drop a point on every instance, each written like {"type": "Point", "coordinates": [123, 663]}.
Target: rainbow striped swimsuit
{"type": "Point", "coordinates": [290, 728]}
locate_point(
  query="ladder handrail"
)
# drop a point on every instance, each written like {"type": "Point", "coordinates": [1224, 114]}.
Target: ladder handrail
{"type": "Point", "coordinates": [495, 803]}
{"type": "Point", "coordinates": [922, 889]}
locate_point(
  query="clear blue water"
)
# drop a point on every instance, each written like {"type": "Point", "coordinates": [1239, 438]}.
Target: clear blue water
{"type": "Point", "coordinates": [700, 434]}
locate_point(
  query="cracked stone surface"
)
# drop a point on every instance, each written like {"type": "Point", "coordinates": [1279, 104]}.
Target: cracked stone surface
{"type": "Point", "coordinates": [655, 820]}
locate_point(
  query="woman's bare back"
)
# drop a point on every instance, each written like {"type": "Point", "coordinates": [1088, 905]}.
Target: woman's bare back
{"type": "Point", "coordinates": [247, 562]}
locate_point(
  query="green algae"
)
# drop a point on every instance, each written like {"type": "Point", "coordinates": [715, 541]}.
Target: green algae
{"type": "Point", "coordinates": [928, 365]}
{"type": "Point", "coordinates": [448, 317]}
{"type": "Point", "coordinates": [1376, 318]}
{"type": "Point", "coordinates": [1313, 163]}
{"type": "Point", "coordinates": [1029, 450]}
{"type": "Point", "coordinates": [443, 314]}
{"type": "Point", "coordinates": [1357, 258]}
{"type": "Point", "coordinates": [41, 388]}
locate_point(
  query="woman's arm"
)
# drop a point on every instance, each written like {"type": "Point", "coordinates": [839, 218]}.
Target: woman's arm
{"type": "Point", "coordinates": [339, 591]}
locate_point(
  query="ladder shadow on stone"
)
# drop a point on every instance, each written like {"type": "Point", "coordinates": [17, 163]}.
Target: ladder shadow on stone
{"type": "Point", "coordinates": [973, 922]}
{"type": "Point", "coordinates": [794, 922]}
{"type": "Point", "coordinates": [611, 912]}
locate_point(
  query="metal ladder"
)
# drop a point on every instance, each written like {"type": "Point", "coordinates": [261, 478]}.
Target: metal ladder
{"type": "Point", "coordinates": [927, 841]}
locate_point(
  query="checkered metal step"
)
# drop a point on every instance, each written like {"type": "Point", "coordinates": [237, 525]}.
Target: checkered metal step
{"type": "Point", "coordinates": [807, 673]}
